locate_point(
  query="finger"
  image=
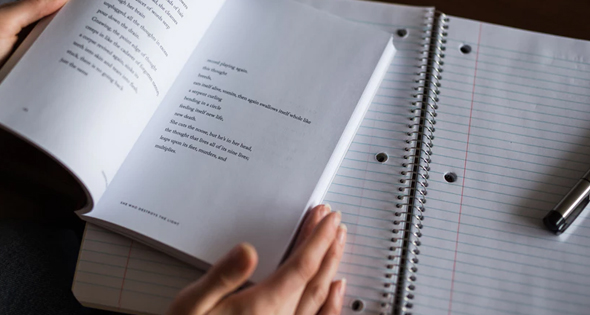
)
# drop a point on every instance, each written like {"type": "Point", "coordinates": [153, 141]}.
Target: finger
{"type": "Point", "coordinates": [228, 274]}
{"type": "Point", "coordinates": [17, 15]}
{"type": "Point", "coordinates": [292, 277]}
{"type": "Point", "coordinates": [316, 292]}
{"type": "Point", "coordinates": [311, 221]}
{"type": "Point", "coordinates": [333, 305]}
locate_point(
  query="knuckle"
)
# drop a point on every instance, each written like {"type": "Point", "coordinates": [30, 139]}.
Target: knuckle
{"type": "Point", "coordinates": [259, 306]}
{"type": "Point", "coordinates": [223, 280]}
{"type": "Point", "coordinates": [7, 28]}
{"type": "Point", "coordinates": [318, 294]}
{"type": "Point", "coordinates": [334, 252]}
{"type": "Point", "coordinates": [305, 267]}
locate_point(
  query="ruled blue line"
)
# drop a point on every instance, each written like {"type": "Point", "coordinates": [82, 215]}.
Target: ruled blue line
{"type": "Point", "coordinates": [479, 246]}
{"type": "Point", "coordinates": [519, 60]}
{"type": "Point", "coordinates": [507, 75]}
{"type": "Point", "coordinates": [559, 159]}
{"type": "Point", "coordinates": [490, 259]}
{"type": "Point", "coordinates": [386, 24]}
{"type": "Point", "coordinates": [368, 171]}
{"type": "Point", "coordinates": [370, 227]}
{"type": "Point", "coordinates": [134, 280]}
{"type": "Point", "coordinates": [385, 129]}
{"type": "Point", "coordinates": [495, 201]}
{"type": "Point", "coordinates": [504, 166]}
{"type": "Point", "coordinates": [454, 232]}
{"type": "Point", "coordinates": [518, 273]}
{"type": "Point", "coordinates": [395, 184]}
{"type": "Point", "coordinates": [496, 278]}
{"type": "Point", "coordinates": [381, 280]}
{"type": "Point", "coordinates": [146, 260]}
{"type": "Point", "coordinates": [537, 217]}
{"type": "Point", "coordinates": [503, 185]}
{"type": "Point", "coordinates": [443, 104]}
{"type": "Point", "coordinates": [512, 140]}
{"type": "Point", "coordinates": [382, 258]}
{"type": "Point", "coordinates": [429, 306]}
{"type": "Point", "coordinates": [519, 52]}
{"type": "Point", "coordinates": [517, 84]}
{"type": "Point", "coordinates": [487, 297]}
{"type": "Point", "coordinates": [126, 290]}
{"type": "Point", "coordinates": [521, 93]}
{"type": "Point", "coordinates": [386, 121]}
{"type": "Point", "coordinates": [507, 176]}
{"type": "Point", "coordinates": [541, 122]}
{"type": "Point", "coordinates": [517, 68]}
{"type": "Point", "coordinates": [570, 109]}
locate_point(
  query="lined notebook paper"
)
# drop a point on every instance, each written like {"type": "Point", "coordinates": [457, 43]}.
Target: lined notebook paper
{"type": "Point", "coordinates": [114, 272]}
{"type": "Point", "coordinates": [514, 125]}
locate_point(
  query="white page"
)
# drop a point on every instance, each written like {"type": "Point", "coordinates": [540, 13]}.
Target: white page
{"type": "Point", "coordinates": [513, 124]}
{"type": "Point", "coordinates": [295, 79]}
{"type": "Point", "coordinates": [361, 189]}
{"type": "Point", "coordinates": [89, 84]}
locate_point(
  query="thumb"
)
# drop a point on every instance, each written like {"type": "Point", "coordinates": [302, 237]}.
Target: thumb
{"type": "Point", "coordinates": [17, 15]}
{"type": "Point", "coordinates": [228, 274]}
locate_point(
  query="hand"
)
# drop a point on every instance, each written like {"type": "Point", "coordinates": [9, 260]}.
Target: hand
{"type": "Point", "coordinates": [15, 16]}
{"type": "Point", "coordinates": [301, 286]}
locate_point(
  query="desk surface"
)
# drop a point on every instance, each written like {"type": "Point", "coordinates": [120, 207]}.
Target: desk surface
{"type": "Point", "coordinates": [19, 199]}
{"type": "Point", "coordinates": [558, 17]}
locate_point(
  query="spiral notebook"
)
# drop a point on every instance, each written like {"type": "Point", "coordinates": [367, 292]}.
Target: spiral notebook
{"type": "Point", "coordinates": [477, 131]}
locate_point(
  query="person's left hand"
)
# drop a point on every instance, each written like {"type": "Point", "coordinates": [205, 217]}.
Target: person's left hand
{"type": "Point", "coordinates": [15, 16]}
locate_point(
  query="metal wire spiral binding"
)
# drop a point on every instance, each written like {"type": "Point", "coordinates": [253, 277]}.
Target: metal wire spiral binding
{"type": "Point", "coordinates": [410, 216]}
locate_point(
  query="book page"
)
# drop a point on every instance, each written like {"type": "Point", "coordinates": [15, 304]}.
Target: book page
{"type": "Point", "coordinates": [513, 125]}
{"type": "Point", "coordinates": [272, 96]}
{"type": "Point", "coordinates": [363, 189]}
{"type": "Point", "coordinates": [88, 85]}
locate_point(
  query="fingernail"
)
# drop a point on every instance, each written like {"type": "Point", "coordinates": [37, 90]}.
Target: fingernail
{"type": "Point", "coordinates": [342, 287]}
{"type": "Point", "coordinates": [325, 210]}
{"type": "Point", "coordinates": [338, 218]}
{"type": "Point", "coordinates": [341, 235]}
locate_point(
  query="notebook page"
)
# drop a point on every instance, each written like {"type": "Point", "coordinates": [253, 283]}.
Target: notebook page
{"type": "Point", "coordinates": [364, 190]}
{"type": "Point", "coordinates": [116, 273]}
{"type": "Point", "coordinates": [514, 125]}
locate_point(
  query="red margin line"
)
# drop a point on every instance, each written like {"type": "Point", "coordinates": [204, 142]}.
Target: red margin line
{"type": "Point", "coordinates": [464, 171]}
{"type": "Point", "coordinates": [125, 274]}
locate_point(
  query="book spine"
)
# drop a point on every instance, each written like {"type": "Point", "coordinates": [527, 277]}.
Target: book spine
{"type": "Point", "coordinates": [417, 158]}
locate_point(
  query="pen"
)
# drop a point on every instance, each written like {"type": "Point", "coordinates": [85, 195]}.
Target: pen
{"type": "Point", "coordinates": [568, 209]}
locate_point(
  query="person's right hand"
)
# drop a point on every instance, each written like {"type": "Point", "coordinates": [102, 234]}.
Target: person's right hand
{"type": "Point", "coordinates": [301, 286]}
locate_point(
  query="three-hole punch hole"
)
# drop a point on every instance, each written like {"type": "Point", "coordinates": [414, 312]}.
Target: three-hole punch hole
{"type": "Point", "coordinates": [450, 177]}
{"type": "Point", "coordinates": [357, 305]}
{"type": "Point", "coordinates": [465, 49]}
{"type": "Point", "coordinates": [381, 157]}
{"type": "Point", "coordinates": [402, 32]}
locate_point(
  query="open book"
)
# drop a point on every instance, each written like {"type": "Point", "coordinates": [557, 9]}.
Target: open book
{"type": "Point", "coordinates": [444, 211]}
{"type": "Point", "coordinates": [196, 125]}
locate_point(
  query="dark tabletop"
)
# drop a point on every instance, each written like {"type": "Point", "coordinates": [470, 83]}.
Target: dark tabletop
{"type": "Point", "coordinates": [33, 187]}
{"type": "Point", "coordinates": [559, 17]}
